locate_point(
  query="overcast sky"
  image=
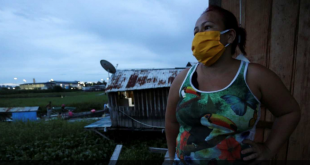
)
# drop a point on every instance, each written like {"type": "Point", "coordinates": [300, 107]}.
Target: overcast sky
{"type": "Point", "coordinates": [65, 40]}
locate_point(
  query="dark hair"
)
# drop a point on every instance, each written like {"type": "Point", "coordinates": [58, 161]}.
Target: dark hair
{"type": "Point", "coordinates": [230, 22]}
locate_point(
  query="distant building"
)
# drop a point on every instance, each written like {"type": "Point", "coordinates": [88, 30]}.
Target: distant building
{"type": "Point", "coordinates": [6, 87]}
{"type": "Point", "coordinates": [49, 85]}
{"type": "Point", "coordinates": [33, 86]}
{"type": "Point", "coordinates": [94, 88]}
{"type": "Point", "coordinates": [67, 84]}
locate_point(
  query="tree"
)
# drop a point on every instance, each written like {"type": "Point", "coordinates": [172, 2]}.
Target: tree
{"type": "Point", "coordinates": [57, 89]}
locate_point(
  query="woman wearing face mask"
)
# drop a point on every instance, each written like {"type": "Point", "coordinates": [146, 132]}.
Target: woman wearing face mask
{"type": "Point", "coordinates": [214, 106]}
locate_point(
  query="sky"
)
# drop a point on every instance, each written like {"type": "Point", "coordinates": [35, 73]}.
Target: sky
{"type": "Point", "coordinates": [65, 40]}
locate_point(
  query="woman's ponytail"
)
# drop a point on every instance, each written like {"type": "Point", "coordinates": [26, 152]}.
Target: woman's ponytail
{"type": "Point", "coordinates": [241, 38]}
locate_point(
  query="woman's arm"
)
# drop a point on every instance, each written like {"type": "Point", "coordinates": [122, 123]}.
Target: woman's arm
{"type": "Point", "coordinates": [171, 123]}
{"type": "Point", "coordinates": [276, 98]}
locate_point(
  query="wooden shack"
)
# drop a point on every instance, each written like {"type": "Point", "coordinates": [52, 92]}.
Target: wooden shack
{"type": "Point", "coordinates": [138, 97]}
{"type": "Point", "coordinates": [278, 37]}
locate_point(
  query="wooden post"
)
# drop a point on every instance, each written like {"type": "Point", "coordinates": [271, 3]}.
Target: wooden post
{"type": "Point", "coordinates": [115, 155]}
{"type": "Point", "coordinates": [215, 2]}
{"type": "Point", "coordinates": [155, 107]}
{"type": "Point", "coordinates": [142, 105]}
{"type": "Point", "coordinates": [100, 134]}
{"type": "Point", "coordinates": [158, 101]}
{"type": "Point", "coordinates": [151, 106]}
{"type": "Point", "coordinates": [116, 109]}
{"type": "Point", "coordinates": [258, 25]}
{"type": "Point", "coordinates": [284, 21]}
{"type": "Point", "coordinates": [158, 150]}
{"type": "Point", "coordinates": [147, 102]}
{"type": "Point", "coordinates": [299, 143]}
{"type": "Point", "coordinates": [138, 108]}
{"type": "Point", "coordinates": [135, 107]}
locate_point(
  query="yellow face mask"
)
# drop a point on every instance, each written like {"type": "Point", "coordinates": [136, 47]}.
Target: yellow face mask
{"type": "Point", "coordinates": [207, 47]}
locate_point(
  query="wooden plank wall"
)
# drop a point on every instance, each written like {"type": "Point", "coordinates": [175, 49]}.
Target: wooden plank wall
{"type": "Point", "coordinates": [283, 27]}
{"type": "Point", "coordinates": [258, 35]}
{"type": "Point", "coordinates": [149, 108]}
{"type": "Point", "coordinates": [299, 144]}
{"type": "Point", "coordinates": [278, 33]}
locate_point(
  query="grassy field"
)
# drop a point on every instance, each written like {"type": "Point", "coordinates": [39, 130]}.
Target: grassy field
{"type": "Point", "coordinates": [62, 140]}
{"type": "Point", "coordinates": [83, 101]}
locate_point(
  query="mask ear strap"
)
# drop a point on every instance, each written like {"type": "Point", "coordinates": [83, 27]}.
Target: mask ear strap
{"type": "Point", "coordinates": [227, 44]}
{"type": "Point", "coordinates": [225, 31]}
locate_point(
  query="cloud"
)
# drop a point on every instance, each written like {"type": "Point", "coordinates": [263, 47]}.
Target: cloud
{"type": "Point", "coordinates": [65, 40]}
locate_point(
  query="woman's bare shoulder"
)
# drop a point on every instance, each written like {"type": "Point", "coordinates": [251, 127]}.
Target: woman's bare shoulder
{"type": "Point", "coordinates": [173, 96]}
{"type": "Point", "coordinates": [275, 95]}
{"type": "Point", "coordinates": [180, 77]}
{"type": "Point", "coordinates": [261, 73]}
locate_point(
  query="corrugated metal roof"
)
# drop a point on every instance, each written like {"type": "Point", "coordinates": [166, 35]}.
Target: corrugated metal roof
{"type": "Point", "coordinates": [18, 109]}
{"type": "Point", "coordinates": [137, 79]}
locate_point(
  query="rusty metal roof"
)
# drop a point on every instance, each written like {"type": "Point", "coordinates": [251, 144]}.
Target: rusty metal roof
{"type": "Point", "coordinates": [138, 79]}
{"type": "Point", "coordinates": [18, 109]}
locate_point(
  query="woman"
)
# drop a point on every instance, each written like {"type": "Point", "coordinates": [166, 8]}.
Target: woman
{"type": "Point", "coordinates": [62, 111]}
{"type": "Point", "coordinates": [49, 109]}
{"type": "Point", "coordinates": [214, 106]}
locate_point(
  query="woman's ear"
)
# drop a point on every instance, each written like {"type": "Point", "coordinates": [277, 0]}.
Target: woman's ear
{"type": "Point", "coordinates": [231, 36]}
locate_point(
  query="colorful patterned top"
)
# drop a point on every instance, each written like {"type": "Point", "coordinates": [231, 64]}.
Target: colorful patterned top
{"type": "Point", "coordinates": [213, 124]}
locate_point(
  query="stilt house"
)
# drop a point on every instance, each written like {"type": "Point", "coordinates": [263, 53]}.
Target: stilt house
{"type": "Point", "coordinates": [138, 97]}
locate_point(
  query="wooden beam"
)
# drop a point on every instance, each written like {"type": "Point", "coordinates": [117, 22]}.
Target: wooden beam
{"type": "Point", "coordinates": [256, 19]}
{"type": "Point", "coordinates": [115, 155]}
{"type": "Point", "coordinates": [284, 21]}
{"type": "Point", "coordinates": [158, 150]}
{"type": "Point", "coordinates": [135, 108]}
{"type": "Point", "coordinates": [215, 2]}
{"type": "Point", "coordinates": [163, 101]}
{"type": "Point", "coordinates": [234, 7]}
{"type": "Point", "coordinates": [167, 159]}
{"type": "Point", "coordinates": [147, 104]}
{"type": "Point", "coordinates": [155, 105]}
{"type": "Point", "coordinates": [257, 25]}
{"type": "Point", "coordinates": [299, 143]}
{"type": "Point", "coordinates": [159, 109]}
{"type": "Point", "coordinates": [100, 133]}
{"type": "Point", "coordinates": [142, 109]}
{"type": "Point", "coordinates": [152, 114]}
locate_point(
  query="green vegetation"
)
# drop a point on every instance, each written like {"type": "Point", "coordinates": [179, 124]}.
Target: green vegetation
{"type": "Point", "coordinates": [83, 101]}
{"type": "Point", "coordinates": [136, 144]}
{"type": "Point", "coordinates": [5, 91]}
{"type": "Point", "coordinates": [53, 140]}
{"type": "Point", "coordinates": [62, 140]}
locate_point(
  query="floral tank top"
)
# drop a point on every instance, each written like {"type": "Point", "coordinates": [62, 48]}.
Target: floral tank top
{"type": "Point", "coordinates": [214, 124]}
